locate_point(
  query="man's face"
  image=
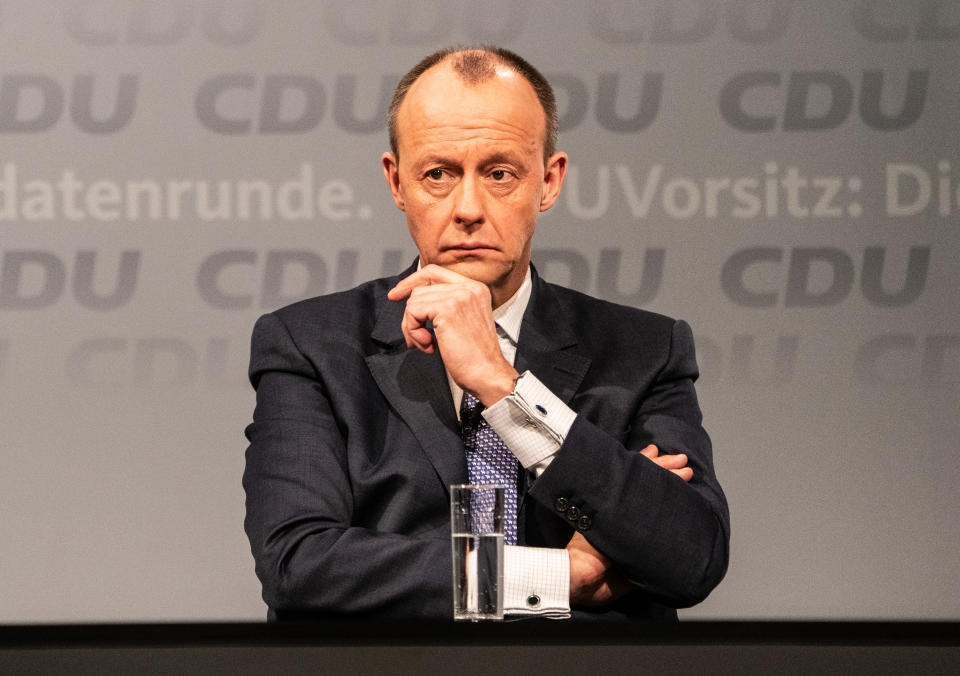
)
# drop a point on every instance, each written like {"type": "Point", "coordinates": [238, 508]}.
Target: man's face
{"type": "Point", "coordinates": [471, 176]}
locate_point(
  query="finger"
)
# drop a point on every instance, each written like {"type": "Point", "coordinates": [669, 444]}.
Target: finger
{"type": "Point", "coordinates": [405, 286]}
{"type": "Point", "coordinates": [672, 461]}
{"type": "Point", "coordinates": [415, 333]}
{"type": "Point", "coordinates": [650, 451]}
{"type": "Point", "coordinates": [440, 275]}
{"type": "Point", "coordinates": [422, 339]}
{"type": "Point", "coordinates": [425, 276]}
{"type": "Point", "coordinates": [420, 310]}
{"type": "Point", "coordinates": [685, 473]}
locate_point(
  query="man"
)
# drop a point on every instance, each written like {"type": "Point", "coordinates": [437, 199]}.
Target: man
{"type": "Point", "coordinates": [356, 436]}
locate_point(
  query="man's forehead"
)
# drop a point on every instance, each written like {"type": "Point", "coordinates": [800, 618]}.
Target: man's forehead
{"type": "Point", "coordinates": [441, 96]}
{"type": "Point", "coordinates": [443, 78]}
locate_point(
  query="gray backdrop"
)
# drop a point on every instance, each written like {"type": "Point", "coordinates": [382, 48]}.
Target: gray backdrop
{"type": "Point", "coordinates": [784, 175]}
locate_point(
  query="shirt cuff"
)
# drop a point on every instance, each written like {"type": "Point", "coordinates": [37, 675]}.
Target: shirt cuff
{"type": "Point", "coordinates": [532, 421]}
{"type": "Point", "coordinates": [536, 581]}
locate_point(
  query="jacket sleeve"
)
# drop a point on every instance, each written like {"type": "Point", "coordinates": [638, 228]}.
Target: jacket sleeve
{"type": "Point", "coordinates": [668, 536]}
{"type": "Point", "coordinates": [310, 557]}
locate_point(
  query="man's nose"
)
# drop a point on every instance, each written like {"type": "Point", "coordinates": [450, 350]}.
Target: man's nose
{"type": "Point", "coordinates": [468, 208]}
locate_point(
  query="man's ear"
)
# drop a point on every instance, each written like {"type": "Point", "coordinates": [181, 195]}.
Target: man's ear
{"type": "Point", "coordinates": [553, 176]}
{"type": "Point", "coordinates": [391, 172]}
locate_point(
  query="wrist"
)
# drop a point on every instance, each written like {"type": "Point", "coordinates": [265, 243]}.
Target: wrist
{"type": "Point", "coordinates": [497, 387]}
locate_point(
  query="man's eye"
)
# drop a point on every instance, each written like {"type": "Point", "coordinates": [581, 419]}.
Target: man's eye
{"type": "Point", "coordinates": [435, 174]}
{"type": "Point", "coordinates": [498, 174]}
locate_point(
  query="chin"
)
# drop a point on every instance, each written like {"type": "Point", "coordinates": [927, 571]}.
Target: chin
{"type": "Point", "coordinates": [481, 271]}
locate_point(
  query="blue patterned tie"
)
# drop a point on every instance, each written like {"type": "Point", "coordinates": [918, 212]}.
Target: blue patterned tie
{"type": "Point", "coordinates": [489, 461]}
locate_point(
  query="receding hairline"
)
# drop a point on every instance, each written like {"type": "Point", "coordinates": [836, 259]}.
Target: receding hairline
{"type": "Point", "coordinates": [476, 65]}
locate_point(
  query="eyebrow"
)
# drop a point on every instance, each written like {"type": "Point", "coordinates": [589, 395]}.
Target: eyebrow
{"type": "Point", "coordinates": [435, 159]}
{"type": "Point", "coordinates": [495, 158]}
{"type": "Point", "coordinates": [502, 158]}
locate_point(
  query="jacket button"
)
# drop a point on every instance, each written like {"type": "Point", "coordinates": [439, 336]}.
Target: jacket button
{"type": "Point", "coordinates": [584, 523]}
{"type": "Point", "coordinates": [573, 513]}
{"type": "Point", "coordinates": [561, 504]}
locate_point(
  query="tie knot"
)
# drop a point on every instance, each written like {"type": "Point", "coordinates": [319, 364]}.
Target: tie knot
{"type": "Point", "coordinates": [470, 409]}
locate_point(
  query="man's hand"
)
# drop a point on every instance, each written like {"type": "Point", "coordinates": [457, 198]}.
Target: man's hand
{"type": "Point", "coordinates": [675, 463]}
{"type": "Point", "coordinates": [592, 582]}
{"type": "Point", "coordinates": [461, 312]}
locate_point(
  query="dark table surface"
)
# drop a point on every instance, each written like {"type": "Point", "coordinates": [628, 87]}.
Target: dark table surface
{"type": "Point", "coordinates": [522, 647]}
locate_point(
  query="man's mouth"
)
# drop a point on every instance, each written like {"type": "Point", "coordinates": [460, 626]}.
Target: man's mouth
{"type": "Point", "coordinates": [470, 246]}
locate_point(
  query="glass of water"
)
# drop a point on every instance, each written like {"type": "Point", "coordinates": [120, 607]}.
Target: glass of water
{"type": "Point", "coordinates": [476, 529]}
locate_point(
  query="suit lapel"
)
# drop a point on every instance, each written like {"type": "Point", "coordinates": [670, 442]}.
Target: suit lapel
{"type": "Point", "coordinates": [415, 384]}
{"type": "Point", "coordinates": [547, 344]}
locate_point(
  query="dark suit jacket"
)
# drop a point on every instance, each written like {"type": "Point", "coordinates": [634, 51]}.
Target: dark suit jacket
{"type": "Point", "coordinates": [355, 441]}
